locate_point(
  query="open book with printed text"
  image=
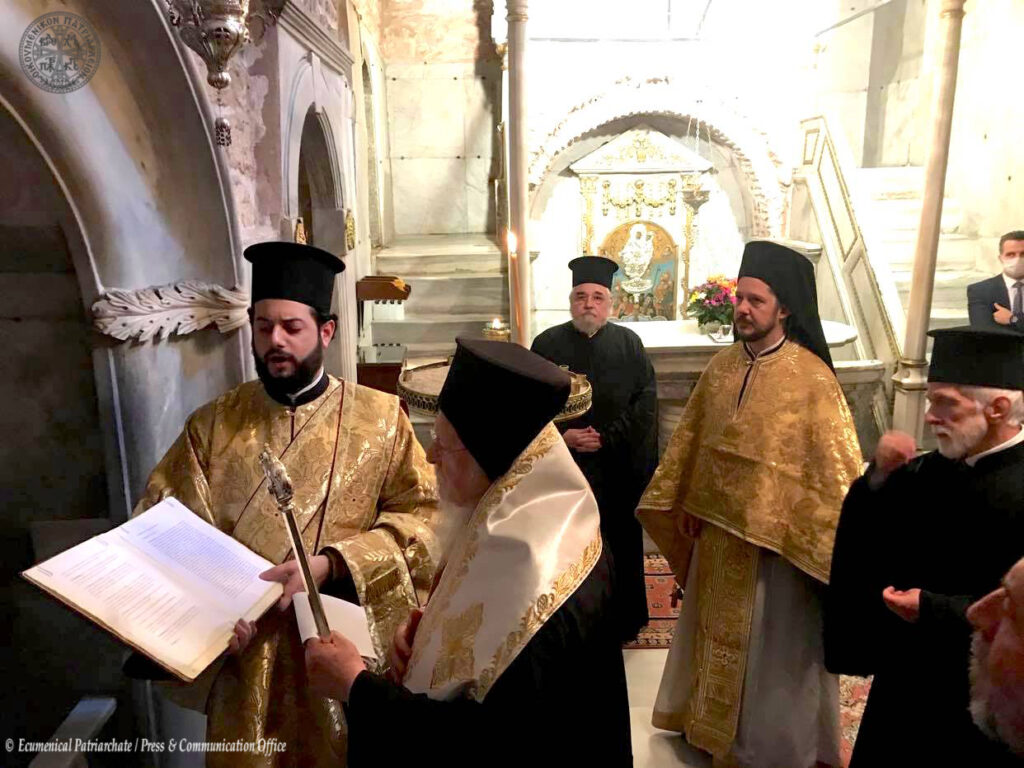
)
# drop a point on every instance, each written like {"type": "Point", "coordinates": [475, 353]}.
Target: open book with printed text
{"type": "Point", "coordinates": [166, 582]}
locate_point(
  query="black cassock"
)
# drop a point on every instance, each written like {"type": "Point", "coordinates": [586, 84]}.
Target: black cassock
{"type": "Point", "coordinates": [953, 532]}
{"type": "Point", "coordinates": [561, 702]}
{"type": "Point", "coordinates": [625, 412]}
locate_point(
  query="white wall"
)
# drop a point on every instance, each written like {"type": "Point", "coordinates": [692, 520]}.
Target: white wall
{"type": "Point", "coordinates": [874, 79]}
{"type": "Point", "coordinates": [441, 132]}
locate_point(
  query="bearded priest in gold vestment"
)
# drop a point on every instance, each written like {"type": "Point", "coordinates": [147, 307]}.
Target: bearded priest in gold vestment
{"type": "Point", "coordinates": [365, 499]}
{"type": "Point", "coordinates": [744, 506]}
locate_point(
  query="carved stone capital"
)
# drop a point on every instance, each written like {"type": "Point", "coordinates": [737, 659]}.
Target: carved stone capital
{"type": "Point", "coordinates": [954, 8]}
{"type": "Point", "coordinates": [159, 311]}
{"type": "Point", "coordinates": [517, 10]}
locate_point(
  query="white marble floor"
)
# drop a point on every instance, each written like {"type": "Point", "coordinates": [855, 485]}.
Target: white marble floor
{"type": "Point", "coordinates": [653, 748]}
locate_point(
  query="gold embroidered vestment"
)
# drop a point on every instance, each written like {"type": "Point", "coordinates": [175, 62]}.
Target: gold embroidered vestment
{"type": "Point", "coordinates": [362, 487]}
{"type": "Point", "coordinates": [768, 471]}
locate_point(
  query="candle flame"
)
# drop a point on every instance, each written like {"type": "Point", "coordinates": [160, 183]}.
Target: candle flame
{"type": "Point", "coordinates": [496, 323]}
{"type": "Point", "coordinates": [513, 242]}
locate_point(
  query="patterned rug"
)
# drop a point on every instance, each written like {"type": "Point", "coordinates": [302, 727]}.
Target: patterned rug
{"type": "Point", "coordinates": [853, 695]}
{"type": "Point", "coordinates": [664, 598]}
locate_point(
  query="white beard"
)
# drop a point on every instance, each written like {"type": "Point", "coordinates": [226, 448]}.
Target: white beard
{"type": "Point", "coordinates": [587, 325]}
{"type": "Point", "coordinates": [451, 522]}
{"type": "Point", "coordinates": [961, 442]}
{"type": "Point", "coordinates": [995, 710]}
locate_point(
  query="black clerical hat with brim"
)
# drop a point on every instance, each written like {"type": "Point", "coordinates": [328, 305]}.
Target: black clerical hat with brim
{"type": "Point", "coordinates": [790, 275]}
{"type": "Point", "coordinates": [499, 396]}
{"type": "Point", "coordinates": [293, 271]}
{"type": "Point", "coordinates": [593, 269]}
{"type": "Point", "coordinates": [977, 357]}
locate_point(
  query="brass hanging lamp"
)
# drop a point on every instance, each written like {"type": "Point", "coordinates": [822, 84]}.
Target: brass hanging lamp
{"type": "Point", "coordinates": [216, 30]}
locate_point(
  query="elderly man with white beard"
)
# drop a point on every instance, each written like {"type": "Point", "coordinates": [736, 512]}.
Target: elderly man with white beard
{"type": "Point", "coordinates": [515, 659]}
{"type": "Point", "coordinates": [919, 540]}
{"type": "Point", "coordinates": [997, 662]}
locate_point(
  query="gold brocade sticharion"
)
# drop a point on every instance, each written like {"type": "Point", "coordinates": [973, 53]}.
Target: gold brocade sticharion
{"type": "Point", "coordinates": [362, 487]}
{"type": "Point", "coordinates": [768, 471]}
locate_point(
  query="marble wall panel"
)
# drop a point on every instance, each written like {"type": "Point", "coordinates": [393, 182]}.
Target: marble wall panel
{"type": "Point", "coordinates": [441, 112]}
{"type": "Point", "coordinates": [986, 157]}
{"type": "Point", "coordinates": [558, 238]}
{"type": "Point", "coordinates": [430, 195]}
{"type": "Point", "coordinates": [426, 117]}
{"type": "Point", "coordinates": [845, 112]}
{"type": "Point", "coordinates": [479, 195]}
{"type": "Point", "coordinates": [844, 59]}
{"type": "Point", "coordinates": [904, 124]}
{"type": "Point", "coordinates": [482, 103]}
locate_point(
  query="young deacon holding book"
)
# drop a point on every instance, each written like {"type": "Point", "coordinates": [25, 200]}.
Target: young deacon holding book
{"type": "Point", "coordinates": [365, 498]}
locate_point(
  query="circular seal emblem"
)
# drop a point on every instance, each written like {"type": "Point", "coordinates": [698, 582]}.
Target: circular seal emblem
{"type": "Point", "coordinates": [59, 52]}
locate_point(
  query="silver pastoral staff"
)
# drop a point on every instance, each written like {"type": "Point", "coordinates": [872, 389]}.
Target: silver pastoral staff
{"type": "Point", "coordinates": [279, 485]}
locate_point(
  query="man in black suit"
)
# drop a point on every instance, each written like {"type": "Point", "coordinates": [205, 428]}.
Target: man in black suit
{"type": "Point", "coordinates": [999, 301]}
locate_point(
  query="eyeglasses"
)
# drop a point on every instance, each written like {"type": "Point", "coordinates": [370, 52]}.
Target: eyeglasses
{"type": "Point", "coordinates": [436, 444]}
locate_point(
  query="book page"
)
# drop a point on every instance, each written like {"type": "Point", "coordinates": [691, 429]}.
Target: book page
{"type": "Point", "coordinates": [118, 588]}
{"type": "Point", "coordinates": [343, 617]}
{"type": "Point", "coordinates": [199, 556]}
{"type": "Point", "coordinates": [165, 582]}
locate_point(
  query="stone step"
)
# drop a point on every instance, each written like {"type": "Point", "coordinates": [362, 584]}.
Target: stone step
{"type": "Point", "coordinates": [439, 254]}
{"type": "Point", "coordinates": [425, 328]}
{"type": "Point", "coordinates": [891, 183]}
{"type": "Point", "coordinates": [950, 291]}
{"type": "Point", "coordinates": [458, 293]}
{"type": "Point", "coordinates": [426, 352]}
{"type": "Point", "coordinates": [956, 251]}
{"type": "Point", "coordinates": [409, 266]}
{"type": "Point", "coordinates": [904, 215]}
{"type": "Point", "coordinates": [946, 318]}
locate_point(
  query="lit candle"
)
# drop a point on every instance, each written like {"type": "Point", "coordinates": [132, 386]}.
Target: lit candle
{"type": "Point", "coordinates": [512, 244]}
{"type": "Point", "coordinates": [496, 330]}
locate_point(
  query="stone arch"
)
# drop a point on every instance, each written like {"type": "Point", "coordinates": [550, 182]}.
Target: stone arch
{"type": "Point", "coordinates": [317, 174]}
{"type": "Point", "coordinates": [132, 154]}
{"type": "Point", "coordinates": [312, 138]}
{"type": "Point", "coordinates": [637, 99]}
{"type": "Point", "coordinates": [307, 116]}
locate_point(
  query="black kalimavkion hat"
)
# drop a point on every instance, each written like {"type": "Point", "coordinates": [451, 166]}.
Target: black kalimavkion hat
{"type": "Point", "coordinates": [593, 269]}
{"type": "Point", "coordinates": [293, 271]}
{"type": "Point", "coordinates": [979, 357]}
{"type": "Point", "coordinates": [499, 396]}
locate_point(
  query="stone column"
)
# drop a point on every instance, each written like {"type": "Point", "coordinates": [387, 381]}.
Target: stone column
{"type": "Point", "coordinates": [911, 376]}
{"type": "Point", "coordinates": [520, 290]}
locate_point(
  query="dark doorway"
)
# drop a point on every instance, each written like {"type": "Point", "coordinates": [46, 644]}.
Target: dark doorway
{"type": "Point", "coordinates": [53, 486]}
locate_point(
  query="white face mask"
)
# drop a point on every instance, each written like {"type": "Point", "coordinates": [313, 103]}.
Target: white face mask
{"type": "Point", "coordinates": [1014, 268]}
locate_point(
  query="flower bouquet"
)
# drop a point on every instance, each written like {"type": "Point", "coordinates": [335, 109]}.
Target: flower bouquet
{"type": "Point", "coordinates": [712, 303]}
